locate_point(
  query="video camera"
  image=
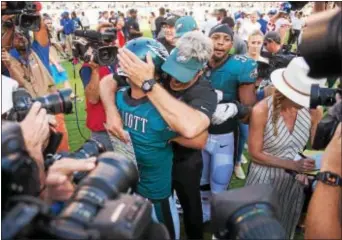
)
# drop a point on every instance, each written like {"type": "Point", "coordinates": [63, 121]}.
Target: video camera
{"type": "Point", "coordinates": [100, 208]}
{"type": "Point", "coordinates": [104, 55]}
{"type": "Point", "coordinates": [26, 15]}
{"type": "Point", "coordinates": [55, 103]}
{"type": "Point", "coordinates": [250, 212]}
{"type": "Point", "coordinates": [275, 61]}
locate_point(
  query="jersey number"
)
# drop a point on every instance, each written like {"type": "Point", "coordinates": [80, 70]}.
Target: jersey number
{"type": "Point", "coordinates": [241, 58]}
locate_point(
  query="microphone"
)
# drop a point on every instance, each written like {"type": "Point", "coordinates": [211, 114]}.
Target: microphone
{"type": "Point", "coordinates": [88, 34]}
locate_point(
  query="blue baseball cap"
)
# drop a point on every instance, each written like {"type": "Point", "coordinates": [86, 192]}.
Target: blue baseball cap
{"type": "Point", "coordinates": [181, 68]}
{"type": "Point", "coordinates": [185, 24]}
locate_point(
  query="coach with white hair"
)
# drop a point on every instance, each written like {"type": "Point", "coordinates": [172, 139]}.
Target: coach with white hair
{"type": "Point", "coordinates": [186, 101]}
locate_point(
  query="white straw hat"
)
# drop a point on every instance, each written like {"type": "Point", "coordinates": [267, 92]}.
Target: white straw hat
{"type": "Point", "coordinates": [293, 81]}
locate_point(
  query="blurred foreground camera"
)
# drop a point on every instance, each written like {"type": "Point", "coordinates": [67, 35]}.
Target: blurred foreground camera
{"type": "Point", "coordinates": [100, 208]}
{"type": "Point", "coordinates": [55, 103]}
{"type": "Point", "coordinates": [103, 55]}
{"type": "Point", "coordinates": [247, 213]}
{"type": "Point", "coordinates": [90, 148]}
{"type": "Point", "coordinates": [327, 126]}
{"type": "Point", "coordinates": [321, 44]}
{"type": "Point", "coordinates": [19, 172]}
{"type": "Point", "coordinates": [323, 96]}
{"type": "Point", "coordinates": [26, 17]}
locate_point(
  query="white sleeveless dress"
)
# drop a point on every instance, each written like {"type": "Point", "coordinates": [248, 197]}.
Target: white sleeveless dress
{"type": "Point", "coordinates": [285, 146]}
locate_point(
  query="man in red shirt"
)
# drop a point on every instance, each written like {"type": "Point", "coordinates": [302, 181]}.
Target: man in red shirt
{"type": "Point", "coordinates": [119, 24]}
{"type": "Point", "coordinates": [91, 75]}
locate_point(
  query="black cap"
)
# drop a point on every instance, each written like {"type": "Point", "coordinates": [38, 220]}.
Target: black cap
{"type": "Point", "coordinates": [170, 21]}
{"type": "Point", "coordinates": [273, 36]}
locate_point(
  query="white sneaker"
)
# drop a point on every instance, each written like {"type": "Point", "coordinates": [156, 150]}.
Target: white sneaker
{"type": "Point", "coordinates": [239, 172]}
{"type": "Point", "coordinates": [243, 159]}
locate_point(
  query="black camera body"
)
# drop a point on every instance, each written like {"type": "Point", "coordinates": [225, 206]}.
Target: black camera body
{"type": "Point", "coordinates": [275, 61]}
{"type": "Point", "coordinates": [250, 212]}
{"type": "Point", "coordinates": [19, 171]}
{"type": "Point", "coordinates": [55, 103]}
{"type": "Point", "coordinates": [100, 207]}
{"type": "Point", "coordinates": [103, 55]}
{"type": "Point", "coordinates": [328, 125]}
{"type": "Point", "coordinates": [26, 17]}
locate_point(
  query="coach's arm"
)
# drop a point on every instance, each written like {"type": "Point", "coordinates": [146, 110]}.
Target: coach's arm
{"type": "Point", "coordinates": [179, 116]}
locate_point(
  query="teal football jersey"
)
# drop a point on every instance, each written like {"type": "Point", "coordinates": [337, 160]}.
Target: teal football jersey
{"type": "Point", "coordinates": [238, 69]}
{"type": "Point", "coordinates": [150, 135]}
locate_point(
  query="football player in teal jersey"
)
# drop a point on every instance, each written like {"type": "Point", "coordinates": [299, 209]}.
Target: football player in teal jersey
{"type": "Point", "coordinates": [185, 83]}
{"type": "Point", "coordinates": [151, 134]}
{"type": "Point", "coordinates": [233, 77]}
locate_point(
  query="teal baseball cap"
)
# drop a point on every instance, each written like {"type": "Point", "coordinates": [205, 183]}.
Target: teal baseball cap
{"type": "Point", "coordinates": [185, 24]}
{"type": "Point", "coordinates": [181, 68]}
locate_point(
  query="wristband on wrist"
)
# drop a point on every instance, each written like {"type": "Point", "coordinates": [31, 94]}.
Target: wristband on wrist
{"type": "Point", "coordinates": [330, 178]}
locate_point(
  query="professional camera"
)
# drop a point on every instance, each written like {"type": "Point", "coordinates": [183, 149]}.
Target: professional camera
{"type": "Point", "coordinates": [275, 61]}
{"type": "Point", "coordinates": [321, 44]}
{"type": "Point", "coordinates": [91, 148]}
{"type": "Point", "coordinates": [19, 172]}
{"type": "Point", "coordinates": [26, 16]}
{"type": "Point", "coordinates": [247, 213]}
{"type": "Point", "coordinates": [54, 103]}
{"type": "Point", "coordinates": [104, 55]}
{"type": "Point", "coordinates": [97, 209]}
{"type": "Point", "coordinates": [327, 126]}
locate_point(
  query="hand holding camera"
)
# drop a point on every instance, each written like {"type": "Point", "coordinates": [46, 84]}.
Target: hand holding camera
{"type": "Point", "coordinates": [59, 180]}
{"type": "Point", "coordinates": [35, 128]}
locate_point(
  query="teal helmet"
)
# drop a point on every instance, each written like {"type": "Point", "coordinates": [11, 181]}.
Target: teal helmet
{"type": "Point", "coordinates": [141, 46]}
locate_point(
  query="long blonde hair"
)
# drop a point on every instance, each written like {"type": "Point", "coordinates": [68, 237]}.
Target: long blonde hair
{"type": "Point", "coordinates": [278, 97]}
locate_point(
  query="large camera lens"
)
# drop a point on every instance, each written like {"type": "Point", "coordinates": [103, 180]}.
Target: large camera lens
{"type": "Point", "coordinates": [322, 96]}
{"type": "Point", "coordinates": [57, 103]}
{"type": "Point", "coordinates": [247, 213]}
{"type": "Point", "coordinates": [113, 174]}
{"type": "Point", "coordinates": [105, 56]}
{"type": "Point", "coordinates": [90, 148]}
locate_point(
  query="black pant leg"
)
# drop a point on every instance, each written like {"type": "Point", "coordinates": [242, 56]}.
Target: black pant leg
{"type": "Point", "coordinates": [186, 182]}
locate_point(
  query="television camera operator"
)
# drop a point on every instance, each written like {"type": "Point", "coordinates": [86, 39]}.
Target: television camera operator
{"type": "Point", "coordinates": [91, 73]}
{"type": "Point", "coordinates": [25, 61]}
{"type": "Point", "coordinates": [277, 56]}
